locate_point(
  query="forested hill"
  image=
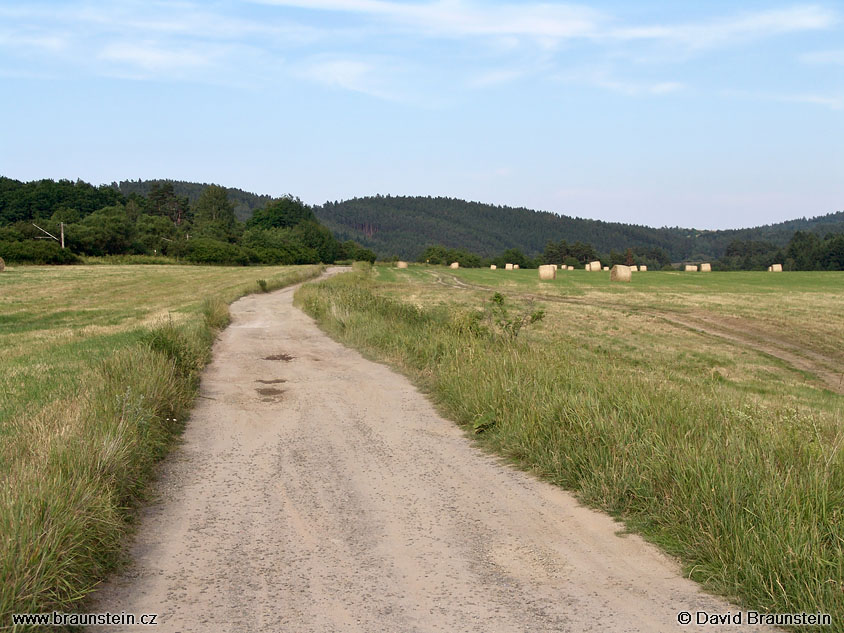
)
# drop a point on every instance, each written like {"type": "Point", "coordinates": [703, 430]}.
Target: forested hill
{"type": "Point", "coordinates": [245, 203]}
{"type": "Point", "coordinates": [404, 225]}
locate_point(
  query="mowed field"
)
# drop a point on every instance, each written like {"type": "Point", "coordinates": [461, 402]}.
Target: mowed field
{"type": "Point", "coordinates": [704, 409]}
{"type": "Point", "coordinates": [99, 366]}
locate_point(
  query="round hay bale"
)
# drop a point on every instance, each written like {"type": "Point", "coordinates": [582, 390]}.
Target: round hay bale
{"type": "Point", "coordinates": [594, 266]}
{"type": "Point", "coordinates": [493, 267]}
{"type": "Point", "coordinates": [571, 267]}
{"type": "Point", "coordinates": [635, 269]}
{"type": "Point", "coordinates": [401, 264]}
{"type": "Point", "coordinates": [643, 269]}
{"type": "Point", "coordinates": [2, 265]}
{"type": "Point", "coordinates": [776, 268]}
{"type": "Point", "coordinates": [606, 268]}
{"type": "Point", "coordinates": [621, 273]}
{"type": "Point", "coordinates": [548, 272]}
{"type": "Point", "coordinates": [455, 264]}
{"type": "Point", "coordinates": [515, 267]}
{"type": "Point", "coordinates": [508, 266]}
{"type": "Point", "coordinates": [691, 268]}
{"type": "Point", "coordinates": [706, 268]}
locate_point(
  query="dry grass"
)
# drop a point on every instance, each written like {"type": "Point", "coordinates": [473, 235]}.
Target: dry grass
{"type": "Point", "coordinates": [99, 368]}
{"type": "Point", "coordinates": [723, 455]}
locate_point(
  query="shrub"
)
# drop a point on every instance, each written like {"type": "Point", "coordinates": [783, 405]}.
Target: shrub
{"type": "Point", "coordinates": [205, 250]}
{"type": "Point", "coordinates": [41, 252]}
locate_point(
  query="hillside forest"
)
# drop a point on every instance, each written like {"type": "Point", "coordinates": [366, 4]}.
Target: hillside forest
{"type": "Point", "coordinates": [200, 223]}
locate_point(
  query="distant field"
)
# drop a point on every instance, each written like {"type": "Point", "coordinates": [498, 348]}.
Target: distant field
{"type": "Point", "coordinates": [703, 409]}
{"type": "Point", "coordinates": [98, 368]}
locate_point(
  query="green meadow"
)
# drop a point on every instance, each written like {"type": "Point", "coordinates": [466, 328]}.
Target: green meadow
{"type": "Point", "coordinates": [704, 410]}
{"type": "Point", "coordinates": [98, 370]}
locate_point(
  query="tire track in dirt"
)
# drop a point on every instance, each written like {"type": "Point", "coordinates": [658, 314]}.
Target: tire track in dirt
{"type": "Point", "coordinates": [341, 501]}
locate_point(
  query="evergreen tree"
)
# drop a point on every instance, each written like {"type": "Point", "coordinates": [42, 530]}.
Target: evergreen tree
{"type": "Point", "coordinates": [214, 215]}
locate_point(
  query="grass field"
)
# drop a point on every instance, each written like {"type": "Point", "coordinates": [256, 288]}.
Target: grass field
{"type": "Point", "coordinates": [702, 409]}
{"type": "Point", "coordinates": [99, 366]}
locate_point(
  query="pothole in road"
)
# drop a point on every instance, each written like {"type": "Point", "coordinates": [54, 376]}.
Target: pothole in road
{"type": "Point", "coordinates": [274, 381]}
{"type": "Point", "coordinates": [269, 391]}
{"type": "Point", "coordinates": [284, 357]}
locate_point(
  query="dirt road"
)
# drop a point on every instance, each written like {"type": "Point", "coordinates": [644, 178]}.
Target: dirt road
{"type": "Point", "coordinates": [318, 491]}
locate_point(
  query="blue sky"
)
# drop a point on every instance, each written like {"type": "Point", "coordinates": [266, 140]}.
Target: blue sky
{"type": "Point", "coordinates": [710, 114]}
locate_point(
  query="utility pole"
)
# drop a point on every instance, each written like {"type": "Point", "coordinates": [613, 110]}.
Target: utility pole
{"type": "Point", "coordinates": [61, 224]}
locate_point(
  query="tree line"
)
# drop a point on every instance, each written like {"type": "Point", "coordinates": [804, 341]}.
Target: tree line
{"type": "Point", "coordinates": [805, 251]}
{"type": "Point", "coordinates": [101, 221]}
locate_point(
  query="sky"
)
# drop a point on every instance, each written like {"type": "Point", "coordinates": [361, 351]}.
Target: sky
{"type": "Point", "coordinates": [716, 114]}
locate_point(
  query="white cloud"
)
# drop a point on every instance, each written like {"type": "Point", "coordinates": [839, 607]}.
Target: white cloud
{"type": "Point", "coordinates": [456, 18]}
{"type": "Point", "coordinates": [834, 57]}
{"type": "Point", "coordinates": [833, 102]}
{"type": "Point", "coordinates": [496, 77]}
{"type": "Point", "coordinates": [736, 28]}
{"type": "Point", "coordinates": [357, 75]}
{"type": "Point", "coordinates": [506, 41]}
{"type": "Point", "coordinates": [48, 42]}
{"type": "Point", "coordinates": [153, 57]}
{"type": "Point", "coordinates": [604, 78]}
{"type": "Point", "coordinates": [549, 23]}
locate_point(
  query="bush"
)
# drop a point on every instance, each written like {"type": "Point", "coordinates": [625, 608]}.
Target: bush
{"type": "Point", "coordinates": [40, 252]}
{"type": "Point", "coordinates": [204, 250]}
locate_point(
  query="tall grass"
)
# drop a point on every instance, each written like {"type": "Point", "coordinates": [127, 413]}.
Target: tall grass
{"type": "Point", "coordinates": [72, 468]}
{"type": "Point", "coordinates": [748, 493]}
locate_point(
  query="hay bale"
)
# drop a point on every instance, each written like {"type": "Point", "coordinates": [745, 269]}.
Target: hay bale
{"type": "Point", "coordinates": [606, 268]}
{"type": "Point", "coordinates": [455, 264]}
{"type": "Point", "coordinates": [401, 264]}
{"type": "Point", "coordinates": [571, 267]}
{"type": "Point", "coordinates": [493, 267]}
{"type": "Point", "coordinates": [515, 267]}
{"type": "Point", "coordinates": [634, 269]}
{"type": "Point", "coordinates": [769, 268]}
{"type": "Point", "coordinates": [508, 266]}
{"type": "Point", "coordinates": [594, 266]}
{"type": "Point", "coordinates": [621, 273]}
{"type": "Point", "coordinates": [643, 269]}
{"type": "Point", "coordinates": [706, 268]}
{"type": "Point", "coordinates": [776, 268]}
{"type": "Point", "coordinates": [691, 268]}
{"type": "Point", "coordinates": [548, 271]}
{"type": "Point", "coordinates": [2, 265]}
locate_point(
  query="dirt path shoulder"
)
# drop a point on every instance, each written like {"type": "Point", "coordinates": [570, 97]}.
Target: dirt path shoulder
{"type": "Point", "coordinates": [318, 491]}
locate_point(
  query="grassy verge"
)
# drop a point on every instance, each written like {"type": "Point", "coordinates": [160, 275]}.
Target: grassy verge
{"type": "Point", "coordinates": [740, 478]}
{"type": "Point", "coordinates": [100, 368]}
{"type": "Point", "coordinates": [112, 260]}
